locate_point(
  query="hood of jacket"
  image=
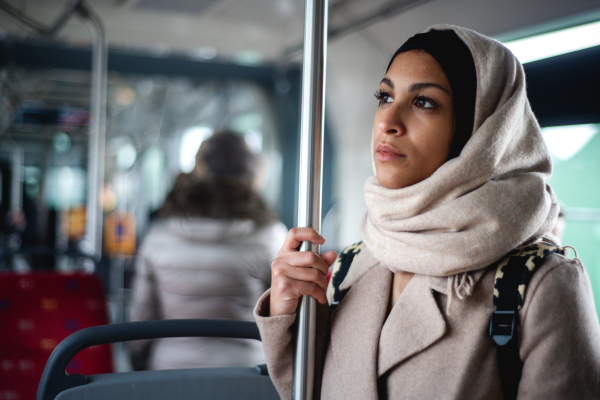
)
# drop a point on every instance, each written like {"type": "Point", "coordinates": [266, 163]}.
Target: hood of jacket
{"type": "Point", "coordinates": [209, 229]}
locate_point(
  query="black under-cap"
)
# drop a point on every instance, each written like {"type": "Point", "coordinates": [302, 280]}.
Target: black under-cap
{"type": "Point", "coordinates": [456, 61]}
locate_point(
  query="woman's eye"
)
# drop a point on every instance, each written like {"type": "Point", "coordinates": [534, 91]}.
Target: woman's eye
{"type": "Point", "coordinates": [425, 103]}
{"type": "Point", "coordinates": [383, 97]}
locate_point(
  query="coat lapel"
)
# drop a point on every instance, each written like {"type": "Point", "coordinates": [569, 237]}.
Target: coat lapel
{"type": "Point", "coordinates": [414, 324]}
{"type": "Point", "coordinates": [355, 328]}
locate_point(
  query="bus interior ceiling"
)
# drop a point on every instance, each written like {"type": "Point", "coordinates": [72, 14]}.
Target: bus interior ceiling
{"type": "Point", "coordinates": [179, 70]}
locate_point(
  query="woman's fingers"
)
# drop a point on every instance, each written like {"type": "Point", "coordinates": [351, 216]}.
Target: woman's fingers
{"type": "Point", "coordinates": [303, 259]}
{"type": "Point", "coordinates": [290, 289]}
{"type": "Point", "coordinates": [289, 294]}
{"type": "Point", "coordinates": [297, 270]}
{"type": "Point", "coordinates": [296, 274]}
{"type": "Point", "coordinates": [296, 236]}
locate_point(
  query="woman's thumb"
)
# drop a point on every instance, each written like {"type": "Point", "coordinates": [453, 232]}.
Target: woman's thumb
{"type": "Point", "coordinates": [329, 257]}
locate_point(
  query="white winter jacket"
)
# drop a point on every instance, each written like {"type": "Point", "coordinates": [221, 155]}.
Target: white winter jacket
{"type": "Point", "coordinates": [202, 268]}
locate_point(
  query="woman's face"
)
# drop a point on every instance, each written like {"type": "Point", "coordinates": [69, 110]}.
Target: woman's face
{"type": "Point", "coordinates": [414, 122]}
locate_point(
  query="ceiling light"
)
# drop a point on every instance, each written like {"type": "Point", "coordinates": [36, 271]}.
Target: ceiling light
{"type": "Point", "coordinates": [249, 57]}
{"type": "Point", "coordinates": [552, 44]}
{"type": "Point", "coordinates": [205, 53]}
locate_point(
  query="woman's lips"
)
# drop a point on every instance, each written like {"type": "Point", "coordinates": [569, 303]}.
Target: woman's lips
{"type": "Point", "coordinates": [386, 153]}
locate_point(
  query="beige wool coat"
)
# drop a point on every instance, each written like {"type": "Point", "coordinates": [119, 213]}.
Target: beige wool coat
{"type": "Point", "coordinates": [425, 349]}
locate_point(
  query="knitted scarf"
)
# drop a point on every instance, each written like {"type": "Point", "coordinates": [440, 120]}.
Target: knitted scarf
{"type": "Point", "coordinates": [480, 205]}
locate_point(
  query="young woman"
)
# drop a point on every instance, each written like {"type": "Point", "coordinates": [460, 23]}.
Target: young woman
{"type": "Point", "coordinates": [460, 181]}
{"type": "Point", "coordinates": [207, 256]}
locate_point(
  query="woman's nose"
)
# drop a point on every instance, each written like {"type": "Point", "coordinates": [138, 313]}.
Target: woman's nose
{"type": "Point", "coordinates": [391, 122]}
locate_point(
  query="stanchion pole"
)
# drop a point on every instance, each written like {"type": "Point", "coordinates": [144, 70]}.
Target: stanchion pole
{"type": "Point", "coordinates": [94, 213]}
{"type": "Point", "coordinates": [311, 171]}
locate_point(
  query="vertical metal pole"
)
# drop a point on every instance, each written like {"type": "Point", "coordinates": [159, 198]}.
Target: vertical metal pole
{"type": "Point", "coordinates": [97, 131]}
{"type": "Point", "coordinates": [311, 171]}
{"type": "Point", "coordinates": [16, 190]}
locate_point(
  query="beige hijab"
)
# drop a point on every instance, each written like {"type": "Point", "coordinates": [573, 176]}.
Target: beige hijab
{"type": "Point", "coordinates": [479, 206]}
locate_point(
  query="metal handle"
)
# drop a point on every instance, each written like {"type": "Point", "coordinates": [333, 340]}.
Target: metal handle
{"type": "Point", "coordinates": [311, 171]}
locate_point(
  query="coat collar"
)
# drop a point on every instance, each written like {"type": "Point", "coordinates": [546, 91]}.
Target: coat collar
{"type": "Point", "coordinates": [414, 324]}
{"type": "Point", "coordinates": [364, 343]}
{"type": "Point", "coordinates": [362, 263]}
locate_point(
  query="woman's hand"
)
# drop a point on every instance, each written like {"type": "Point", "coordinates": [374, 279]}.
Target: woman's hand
{"type": "Point", "coordinates": [296, 273]}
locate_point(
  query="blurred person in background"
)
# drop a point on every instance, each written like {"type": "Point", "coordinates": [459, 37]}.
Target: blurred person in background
{"type": "Point", "coordinates": [207, 255]}
{"type": "Point", "coordinates": [559, 228]}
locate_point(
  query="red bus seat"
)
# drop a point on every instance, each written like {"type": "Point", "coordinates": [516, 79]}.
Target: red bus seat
{"type": "Point", "coordinates": [37, 311]}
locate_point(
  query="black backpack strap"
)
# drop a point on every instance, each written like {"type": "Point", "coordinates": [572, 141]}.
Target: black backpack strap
{"type": "Point", "coordinates": [340, 269]}
{"type": "Point", "coordinates": [513, 274]}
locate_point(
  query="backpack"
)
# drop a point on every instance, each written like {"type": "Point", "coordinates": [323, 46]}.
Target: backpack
{"type": "Point", "coordinates": [513, 273]}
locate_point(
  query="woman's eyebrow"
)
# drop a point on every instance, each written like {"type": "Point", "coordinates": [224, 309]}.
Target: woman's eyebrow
{"type": "Point", "coordinates": [415, 87]}
{"type": "Point", "coordinates": [388, 82]}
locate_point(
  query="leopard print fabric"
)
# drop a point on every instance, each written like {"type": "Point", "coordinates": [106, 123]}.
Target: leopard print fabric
{"type": "Point", "coordinates": [340, 269]}
{"type": "Point", "coordinates": [515, 271]}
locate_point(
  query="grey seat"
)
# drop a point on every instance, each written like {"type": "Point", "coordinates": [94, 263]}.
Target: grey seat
{"type": "Point", "coordinates": [197, 383]}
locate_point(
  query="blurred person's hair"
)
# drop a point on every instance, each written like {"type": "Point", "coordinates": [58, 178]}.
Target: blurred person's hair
{"type": "Point", "coordinates": [221, 184]}
{"type": "Point", "coordinates": [225, 155]}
